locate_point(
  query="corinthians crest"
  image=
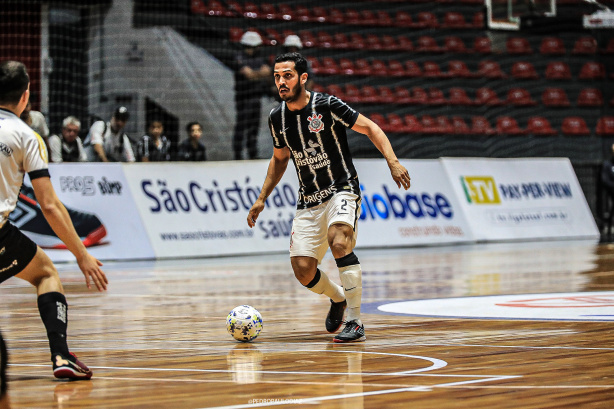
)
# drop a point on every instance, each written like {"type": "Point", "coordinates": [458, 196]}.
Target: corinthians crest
{"type": "Point", "coordinates": [315, 123]}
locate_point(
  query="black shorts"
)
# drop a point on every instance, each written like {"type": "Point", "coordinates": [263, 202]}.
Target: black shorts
{"type": "Point", "coordinates": [16, 251]}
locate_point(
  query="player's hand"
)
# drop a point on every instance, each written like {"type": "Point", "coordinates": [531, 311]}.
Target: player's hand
{"type": "Point", "coordinates": [400, 175]}
{"type": "Point", "coordinates": [254, 212]}
{"type": "Point", "coordinates": [90, 267]}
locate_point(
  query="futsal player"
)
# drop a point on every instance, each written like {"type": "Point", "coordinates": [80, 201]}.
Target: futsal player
{"type": "Point", "coordinates": [310, 128]}
{"type": "Point", "coordinates": [22, 150]}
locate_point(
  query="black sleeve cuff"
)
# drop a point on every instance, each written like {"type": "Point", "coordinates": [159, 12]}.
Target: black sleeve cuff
{"type": "Point", "coordinates": [41, 173]}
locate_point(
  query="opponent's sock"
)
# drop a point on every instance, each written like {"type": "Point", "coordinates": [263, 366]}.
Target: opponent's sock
{"type": "Point", "coordinates": [351, 278]}
{"type": "Point", "coordinates": [54, 313]}
{"type": "Point", "coordinates": [321, 284]}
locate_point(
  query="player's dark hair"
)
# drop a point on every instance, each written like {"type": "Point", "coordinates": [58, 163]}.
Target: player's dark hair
{"type": "Point", "coordinates": [14, 82]}
{"type": "Point", "coordinates": [300, 63]}
{"type": "Point", "coordinates": [189, 126]}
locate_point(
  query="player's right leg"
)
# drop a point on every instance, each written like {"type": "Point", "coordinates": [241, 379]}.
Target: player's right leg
{"type": "Point", "coordinates": [53, 309]}
{"type": "Point", "coordinates": [4, 398]}
{"type": "Point", "coordinates": [307, 248]}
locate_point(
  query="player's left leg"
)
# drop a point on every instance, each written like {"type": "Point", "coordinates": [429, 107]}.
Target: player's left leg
{"type": "Point", "coordinates": [53, 309]}
{"type": "Point", "coordinates": [343, 213]}
{"type": "Point", "coordinates": [4, 398]}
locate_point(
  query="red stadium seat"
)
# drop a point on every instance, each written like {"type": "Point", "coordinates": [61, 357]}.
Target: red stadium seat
{"type": "Point", "coordinates": [369, 95]}
{"type": "Point", "coordinates": [374, 42]}
{"type": "Point", "coordinates": [552, 46]}
{"type": "Point", "coordinates": [336, 90]}
{"type": "Point", "coordinates": [395, 68]}
{"type": "Point", "coordinates": [436, 96]}
{"type": "Point", "coordinates": [308, 39]}
{"type": "Point", "coordinates": [404, 20]}
{"type": "Point", "coordinates": [609, 48]}
{"type": "Point", "coordinates": [454, 44]}
{"type": "Point", "coordinates": [412, 124]}
{"type": "Point", "coordinates": [429, 125]}
{"type": "Point", "coordinates": [490, 69]}
{"type": "Point", "coordinates": [368, 17]}
{"type": "Point", "coordinates": [395, 123]}
{"type": "Point", "coordinates": [352, 17]}
{"type": "Point", "coordinates": [379, 120]}
{"type": "Point", "coordinates": [538, 125]}
{"type": "Point", "coordinates": [352, 93]}
{"type": "Point", "coordinates": [428, 19]}
{"type": "Point", "coordinates": [478, 20]}
{"type": "Point", "coordinates": [268, 11]}
{"type": "Point", "coordinates": [385, 95]}
{"type": "Point", "coordinates": [520, 97]}
{"type": "Point", "coordinates": [389, 43]}
{"type": "Point", "coordinates": [286, 12]}
{"type": "Point", "coordinates": [575, 126]}
{"type": "Point", "coordinates": [357, 42]}
{"type": "Point", "coordinates": [362, 67]}
{"type": "Point", "coordinates": [458, 69]}
{"type": "Point", "coordinates": [482, 45]}
{"type": "Point", "coordinates": [316, 67]}
{"type": "Point", "coordinates": [506, 125]}
{"type": "Point", "coordinates": [459, 126]}
{"type": "Point", "coordinates": [481, 126]}
{"type": "Point", "coordinates": [555, 98]}
{"type": "Point", "coordinates": [302, 13]}
{"type": "Point", "coordinates": [324, 39]}
{"type": "Point", "coordinates": [524, 70]}
{"type": "Point", "coordinates": [233, 9]}
{"type": "Point", "coordinates": [592, 70]}
{"type": "Point", "coordinates": [430, 69]}
{"type": "Point", "coordinates": [585, 46]}
{"type": "Point", "coordinates": [605, 126]}
{"type": "Point", "coordinates": [419, 96]}
{"type": "Point", "coordinates": [379, 68]}
{"type": "Point", "coordinates": [319, 14]}
{"type": "Point", "coordinates": [486, 96]}
{"type": "Point", "coordinates": [271, 37]}
{"type": "Point", "coordinates": [427, 44]}
{"type": "Point", "coordinates": [251, 10]}
{"type": "Point", "coordinates": [405, 43]}
{"type": "Point", "coordinates": [402, 96]}
{"type": "Point", "coordinates": [346, 66]}
{"type": "Point", "coordinates": [444, 125]}
{"type": "Point", "coordinates": [590, 97]}
{"type": "Point", "coordinates": [454, 20]}
{"type": "Point", "coordinates": [458, 96]}
{"type": "Point", "coordinates": [340, 41]}
{"type": "Point", "coordinates": [412, 69]}
{"type": "Point", "coordinates": [384, 19]}
{"type": "Point", "coordinates": [558, 70]}
{"type": "Point", "coordinates": [329, 66]}
{"type": "Point", "coordinates": [518, 46]}
{"type": "Point", "coordinates": [213, 8]}
{"type": "Point", "coordinates": [235, 34]}
{"type": "Point", "coordinates": [335, 16]}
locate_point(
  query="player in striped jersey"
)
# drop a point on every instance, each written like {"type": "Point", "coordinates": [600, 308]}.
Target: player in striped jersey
{"type": "Point", "coordinates": [23, 150]}
{"type": "Point", "coordinates": [310, 128]}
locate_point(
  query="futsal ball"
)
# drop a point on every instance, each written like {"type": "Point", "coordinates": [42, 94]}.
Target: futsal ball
{"type": "Point", "coordinates": [244, 323]}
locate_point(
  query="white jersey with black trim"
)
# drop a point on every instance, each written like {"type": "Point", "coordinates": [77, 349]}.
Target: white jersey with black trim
{"type": "Point", "coordinates": [21, 151]}
{"type": "Point", "coordinates": [317, 139]}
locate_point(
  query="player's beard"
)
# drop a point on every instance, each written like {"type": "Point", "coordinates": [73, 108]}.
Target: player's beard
{"type": "Point", "coordinates": [293, 94]}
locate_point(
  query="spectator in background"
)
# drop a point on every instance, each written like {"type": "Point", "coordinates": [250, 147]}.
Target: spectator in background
{"type": "Point", "coordinates": [192, 149]}
{"type": "Point", "coordinates": [252, 77]}
{"type": "Point", "coordinates": [67, 147]}
{"type": "Point", "coordinates": [293, 44]}
{"type": "Point", "coordinates": [36, 121]}
{"type": "Point", "coordinates": [153, 146]}
{"type": "Point", "coordinates": [107, 142]}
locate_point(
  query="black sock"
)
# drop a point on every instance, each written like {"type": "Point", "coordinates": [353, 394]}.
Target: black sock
{"type": "Point", "coordinates": [54, 313]}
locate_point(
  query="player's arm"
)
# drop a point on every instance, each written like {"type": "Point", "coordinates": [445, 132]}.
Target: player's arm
{"type": "Point", "coordinates": [367, 127]}
{"type": "Point", "coordinates": [59, 220]}
{"type": "Point", "coordinates": [276, 170]}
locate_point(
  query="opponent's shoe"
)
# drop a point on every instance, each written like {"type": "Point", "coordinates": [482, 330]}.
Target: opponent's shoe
{"type": "Point", "coordinates": [351, 333]}
{"type": "Point", "coordinates": [29, 218]}
{"type": "Point", "coordinates": [70, 367]}
{"type": "Point", "coordinates": [334, 319]}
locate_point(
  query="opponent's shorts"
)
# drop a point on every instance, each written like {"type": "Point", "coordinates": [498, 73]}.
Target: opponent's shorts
{"type": "Point", "coordinates": [309, 236]}
{"type": "Point", "coordinates": [16, 251]}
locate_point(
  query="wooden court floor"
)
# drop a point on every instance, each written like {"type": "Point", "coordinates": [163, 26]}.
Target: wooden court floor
{"type": "Point", "coordinates": [157, 338]}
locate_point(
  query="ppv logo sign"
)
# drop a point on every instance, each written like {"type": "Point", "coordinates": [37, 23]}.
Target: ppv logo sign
{"type": "Point", "coordinates": [480, 190]}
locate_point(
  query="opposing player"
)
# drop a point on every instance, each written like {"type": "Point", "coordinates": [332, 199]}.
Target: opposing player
{"type": "Point", "coordinates": [22, 150]}
{"type": "Point", "coordinates": [310, 128]}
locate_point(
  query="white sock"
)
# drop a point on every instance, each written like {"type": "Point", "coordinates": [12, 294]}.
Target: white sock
{"type": "Point", "coordinates": [325, 286]}
{"type": "Point", "coordinates": [351, 278]}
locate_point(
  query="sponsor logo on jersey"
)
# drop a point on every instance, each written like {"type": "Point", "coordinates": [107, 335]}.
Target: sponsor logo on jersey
{"type": "Point", "coordinates": [315, 123]}
{"type": "Point", "coordinates": [5, 149]}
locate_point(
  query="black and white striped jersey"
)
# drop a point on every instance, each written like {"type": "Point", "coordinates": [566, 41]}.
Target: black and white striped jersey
{"type": "Point", "coordinates": [317, 139]}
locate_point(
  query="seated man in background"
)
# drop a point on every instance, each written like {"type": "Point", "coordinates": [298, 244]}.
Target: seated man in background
{"type": "Point", "coordinates": [67, 147]}
{"type": "Point", "coordinates": [153, 146]}
{"type": "Point", "coordinates": [192, 149]}
{"type": "Point", "coordinates": [107, 142]}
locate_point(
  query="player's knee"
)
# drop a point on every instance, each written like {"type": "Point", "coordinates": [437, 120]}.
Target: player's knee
{"type": "Point", "coordinates": [304, 270]}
